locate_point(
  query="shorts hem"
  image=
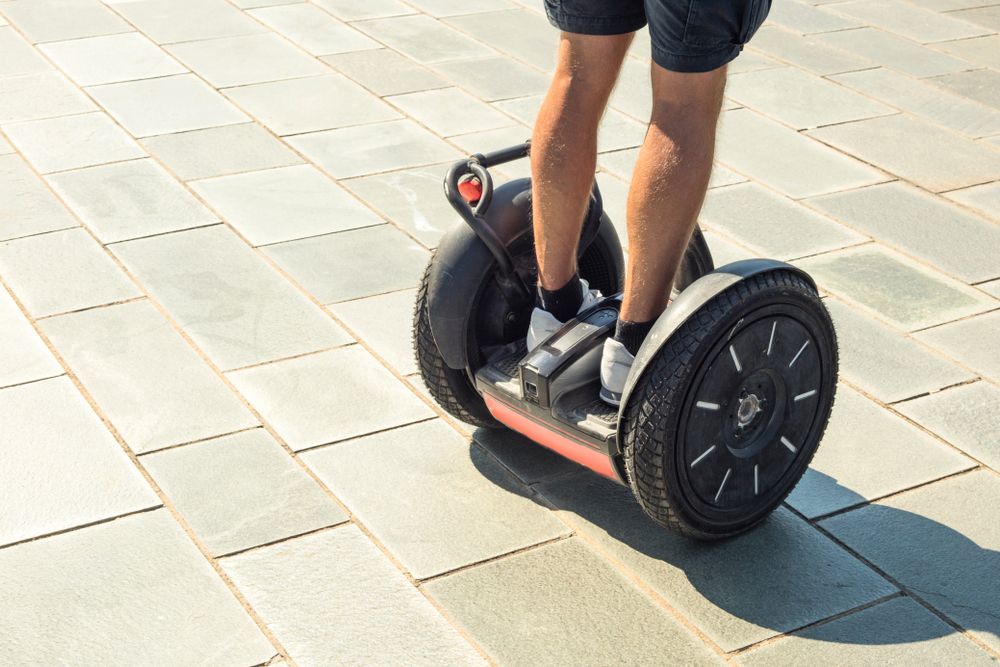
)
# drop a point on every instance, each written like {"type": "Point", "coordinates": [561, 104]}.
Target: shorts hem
{"type": "Point", "coordinates": [702, 62]}
{"type": "Point", "coordinates": [596, 25]}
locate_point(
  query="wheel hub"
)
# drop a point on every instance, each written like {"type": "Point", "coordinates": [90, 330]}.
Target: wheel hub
{"type": "Point", "coordinates": [749, 406]}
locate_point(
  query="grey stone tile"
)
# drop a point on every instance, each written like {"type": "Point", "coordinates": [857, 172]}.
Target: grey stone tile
{"type": "Point", "coordinates": [984, 198]}
{"type": "Point", "coordinates": [529, 590]}
{"type": "Point", "coordinates": [801, 100]}
{"type": "Point", "coordinates": [967, 416]}
{"type": "Point", "coordinates": [522, 33]}
{"type": "Point", "coordinates": [503, 137]}
{"type": "Point", "coordinates": [263, 496]}
{"type": "Point", "coordinates": [884, 363]}
{"type": "Point", "coordinates": [750, 60]}
{"type": "Point", "coordinates": [130, 199]}
{"type": "Point", "coordinates": [71, 142]}
{"type": "Point", "coordinates": [988, 17]}
{"type": "Point", "coordinates": [798, 575]}
{"type": "Point", "coordinates": [494, 78]}
{"type": "Point", "coordinates": [413, 199]}
{"type": "Point", "coordinates": [112, 59]}
{"type": "Point", "coordinates": [314, 30]}
{"type": "Point", "coordinates": [893, 455]}
{"type": "Point", "coordinates": [772, 225]}
{"type": "Point", "coordinates": [26, 205]}
{"type": "Point", "coordinates": [385, 72]}
{"type": "Point", "coordinates": [167, 21]}
{"type": "Point", "coordinates": [616, 131]}
{"type": "Point", "coordinates": [52, 20]}
{"type": "Point", "coordinates": [23, 355]}
{"type": "Point", "coordinates": [62, 271]}
{"type": "Point", "coordinates": [330, 396]}
{"type": "Point", "coordinates": [423, 39]}
{"type": "Point", "coordinates": [17, 56]}
{"type": "Point", "coordinates": [920, 25]}
{"type": "Point", "coordinates": [941, 160]}
{"type": "Point", "coordinates": [441, 8]}
{"type": "Point", "coordinates": [984, 51]}
{"type": "Point", "coordinates": [220, 151]}
{"type": "Point", "coordinates": [898, 631]}
{"type": "Point", "coordinates": [5, 147]}
{"type": "Point", "coordinates": [952, 111]}
{"type": "Point", "coordinates": [130, 360]}
{"type": "Point", "coordinates": [109, 581]}
{"type": "Point", "coordinates": [803, 18]}
{"type": "Point", "coordinates": [246, 59]}
{"type": "Point", "coordinates": [805, 52]}
{"type": "Point", "coordinates": [529, 461]}
{"type": "Point", "coordinates": [334, 598]}
{"type": "Point", "coordinates": [283, 204]}
{"type": "Point", "coordinates": [450, 111]}
{"type": "Point", "coordinates": [61, 471]}
{"type": "Point", "coordinates": [894, 287]}
{"type": "Point", "coordinates": [992, 287]}
{"type": "Point", "coordinates": [893, 51]}
{"type": "Point", "coordinates": [42, 95]}
{"type": "Point", "coordinates": [621, 164]}
{"type": "Point", "coordinates": [352, 264]}
{"type": "Point", "coordinates": [951, 5]}
{"type": "Point", "coordinates": [934, 541]}
{"type": "Point", "coordinates": [166, 105]}
{"type": "Point", "coordinates": [940, 233]}
{"type": "Point", "coordinates": [385, 322]}
{"type": "Point", "coordinates": [981, 85]}
{"type": "Point", "coordinates": [774, 155]}
{"type": "Point", "coordinates": [971, 341]}
{"type": "Point", "coordinates": [368, 149]}
{"type": "Point", "coordinates": [234, 306]}
{"type": "Point", "coordinates": [350, 10]}
{"type": "Point", "coordinates": [724, 250]}
{"type": "Point", "coordinates": [633, 93]}
{"type": "Point", "coordinates": [310, 104]}
{"type": "Point", "coordinates": [435, 502]}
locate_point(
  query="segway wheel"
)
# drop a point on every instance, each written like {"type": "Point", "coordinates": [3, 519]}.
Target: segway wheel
{"type": "Point", "coordinates": [727, 416]}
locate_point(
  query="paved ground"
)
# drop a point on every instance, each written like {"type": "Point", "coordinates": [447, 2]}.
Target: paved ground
{"type": "Point", "coordinates": [214, 447]}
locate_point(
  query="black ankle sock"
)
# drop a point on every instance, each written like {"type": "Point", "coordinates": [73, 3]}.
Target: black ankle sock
{"type": "Point", "coordinates": [564, 302]}
{"type": "Point", "coordinates": [631, 334]}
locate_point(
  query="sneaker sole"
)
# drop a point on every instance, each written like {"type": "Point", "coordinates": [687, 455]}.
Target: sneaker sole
{"type": "Point", "coordinates": [610, 397]}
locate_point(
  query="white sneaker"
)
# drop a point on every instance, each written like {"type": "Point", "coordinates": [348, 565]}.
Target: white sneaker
{"type": "Point", "coordinates": [616, 362]}
{"type": "Point", "coordinates": [543, 323]}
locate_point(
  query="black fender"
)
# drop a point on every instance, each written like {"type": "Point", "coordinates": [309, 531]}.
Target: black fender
{"type": "Point", "coordinates": [685, 305]}
{"type": "Point", "coordinates": [462, 264]}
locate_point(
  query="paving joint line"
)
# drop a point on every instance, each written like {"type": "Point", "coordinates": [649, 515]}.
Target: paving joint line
{"type": "Point", "coordinates": [74, 528]}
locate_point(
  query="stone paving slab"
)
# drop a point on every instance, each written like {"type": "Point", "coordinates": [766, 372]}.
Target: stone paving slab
{"type": "Point", "coordinates": [423, 39]}
{"type": "Point", "coordinates": [885, 364]}
{"type": "Point", "coordinates": [893, 455]}
{"type": "Point", "coordinates": [984, 51]}
{"type": "Point", "coordinates": [385, 72]}
{"type": "Point", "coordinates": [265, 496]}
{"type": "Point", "coordinates": [239, 61]}
{"type": "Point", "coordinates": [168, 21]}
{"type": "Point", "coordinates": [26, 206]}
{"type": "Point", "coordinates": [384, 322]}
{"type": "Point", "coordinates": [333, 598]}
{"type": "Point", "coordinates": [72, 142]}
{"type": "Point", "coordinates": [434, 500]}
{"type": "Point", "coordinates": [111, 59]}
{"type": "Point", "coordinates": [129, 359]}
{"type": "Point", "coordinates": [23, 355]}
{"type": "Point", "coordinates": [805, 52]}
{"type": "Point", "coordinates": [450, 111]}
{"type": "Point", "coordinates": [62, 271]}
{"type": "Point", "coordinates": [971, 341]}
{"type": "Point", "coordinates": [983, 198]}
{"type": "Point", "coordinates": [18, 56]}
{"type": "Point", "coordinates": [41, 95]}
{"type": "Point", "coordinates": [493, 79]}
{"type": "Point", "coordinates": [314, 30]}
{"type": "Point", "coordinates": [934, 541]}
{"type": "Point", "coordinates": [327, 397]}
{"type": "Point", "coordinates": [61, 472]}
{"type": "Point", "coordinates": [234, 306]}
{"type": "Point", "coordinates": [893, 51]}
{"type": "Point", "coordinates": [898, 631]}
{"type": "Point", "coordinates": [48, 21]}
{"type": "Point", "coordinates": [897, 290]}
{"type": "Point", "coordinates": [779, 577]}
{"type": "Point", "coordinates": [901, 18]}
{"type": "Point", "coordinates": [967, 416]}
{"type": "Point", "coordinates": [562, 604]}
{"type": "Point", "coordinates": [132, 591]}
{"type": "Point", "coordinates": [284, 204]}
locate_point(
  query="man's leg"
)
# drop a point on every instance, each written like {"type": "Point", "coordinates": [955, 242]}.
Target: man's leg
{"type": "Point", "coordinates": [564, 157]}
{"type": "Point", "coordinates": [668, 188]}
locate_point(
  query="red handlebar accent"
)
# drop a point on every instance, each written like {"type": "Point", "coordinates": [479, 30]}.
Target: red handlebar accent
{"type": "Point", "coordinates": [471, 190]}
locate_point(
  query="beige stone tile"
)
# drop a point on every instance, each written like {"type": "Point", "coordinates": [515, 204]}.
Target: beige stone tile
{"type": "Point", "coordinates": [72, 142]}
{"type": "Point", "coordinates": [246, 59]}
{"type": "Point", "coordinates": [43, 95]}
{"type": "Point", "coordinates": [314, 30]}
{"type": "Point", "coordinates": [23, 355]}
{"type": "Point", "coordinates": [53, 20]}
{"type": "Point", "coordinates": [111, 59]}
{"type": "Point", "coordinates": [167, 21]}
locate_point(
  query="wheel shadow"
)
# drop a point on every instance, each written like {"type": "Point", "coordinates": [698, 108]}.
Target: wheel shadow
{"type": "Point", "coordinates": [784, 574]}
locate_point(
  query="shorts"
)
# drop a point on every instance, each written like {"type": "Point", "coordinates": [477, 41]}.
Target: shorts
{"type": "Point", "coordinates": [686, 35]}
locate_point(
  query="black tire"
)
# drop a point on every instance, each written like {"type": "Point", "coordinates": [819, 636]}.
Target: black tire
{"type": "Point", "coordinates": [676, 444]}
{"type": "Point", "coordinates": [601, 263]}
{"type": "Point", "coordinates": [696, 262]}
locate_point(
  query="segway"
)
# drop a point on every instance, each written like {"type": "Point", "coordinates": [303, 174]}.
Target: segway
{"type": "Point", "coordinates": [724, 406]}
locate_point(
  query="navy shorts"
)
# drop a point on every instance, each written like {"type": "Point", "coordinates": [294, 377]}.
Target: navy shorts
{"type": "Point", "coordinates": [687, 35]}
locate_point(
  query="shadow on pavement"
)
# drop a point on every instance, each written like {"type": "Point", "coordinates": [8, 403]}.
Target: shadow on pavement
{"type": "Point", "coordinates": [782, 575]}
